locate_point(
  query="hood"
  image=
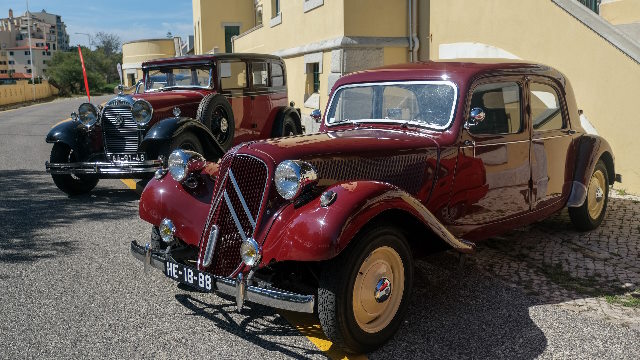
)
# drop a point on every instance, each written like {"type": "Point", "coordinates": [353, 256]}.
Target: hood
{"type": "Point", "coordinates": [404, 158]}
{"type": "Point", "coordinates": [163, 102]}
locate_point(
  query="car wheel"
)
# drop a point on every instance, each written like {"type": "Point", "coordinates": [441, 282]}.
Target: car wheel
{"type": "Point", "coordinates": [215, 112]}
{"type": "Point", "coordinates": [71, 184]}
{"type": "Point", "coordinates": [363, 293]}
{"type": "Point", "coordinates": [590, 214]}
{"type": "Point", "coordinates": [286, 125]}
{"type": "Point", "coordinates": [186, 141]}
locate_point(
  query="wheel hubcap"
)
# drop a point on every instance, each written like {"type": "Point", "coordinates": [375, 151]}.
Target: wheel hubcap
{"type": "Point", "coordinates": [595, 196]}
{"type": "Point", "coordinates": [224, 125]}
{"type": "Point", "coordinates": [374, 302]}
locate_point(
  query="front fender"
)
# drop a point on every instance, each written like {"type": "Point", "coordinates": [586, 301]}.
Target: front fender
{"type": "Point", "coordinates": [315, 233]}
{"type": "Point", "coordinates": [186, 208]}
{"type": "Point", "coordinates": [590, 150]}
{"type": "Point", "coordinates": [76, 136]}
{"type": "Point", "coordinates": [158, 139]}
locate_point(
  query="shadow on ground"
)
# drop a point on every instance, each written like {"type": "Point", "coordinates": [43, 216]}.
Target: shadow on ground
{"type": "Point", "coordinates": [31, 208]}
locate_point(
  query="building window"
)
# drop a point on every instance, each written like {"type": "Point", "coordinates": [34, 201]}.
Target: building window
{"type": "Point", "coordinates": [229, 32]}
{"type": "Point", "coordinates": [258, 15]}
{"type": "Point", "coordinates": [27, 52]}
{"type": "Point", "coordinates": [276, 8]}
{"type": "Point", "coordinates": [276, 13]}
{"type": "Point", "coordinates": [11, 62]}
{"type": "Point", "coordinates": [44, 53]}
{"type": "Point", "coordinates": [316, 77]}
{"type": "Point", "coordinates": [44, 62]}
{"type": "Point", "coordinates": [28, 71]}
{"type": "Point", "coordinates": [28, 62]}
{"type": "Point", "coordinates": [10, 53]}
{"type": "Point", "coordinates": [311, 4]}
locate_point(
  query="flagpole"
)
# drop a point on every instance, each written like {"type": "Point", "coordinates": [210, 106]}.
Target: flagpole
{"type": "Point", "coordinates": [31, 51]}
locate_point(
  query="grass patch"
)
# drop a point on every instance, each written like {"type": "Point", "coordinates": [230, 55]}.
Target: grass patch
{"type": "Point", "coordinates": [621, 192]}
{"type": "Point", "coordinates": [624, 300]}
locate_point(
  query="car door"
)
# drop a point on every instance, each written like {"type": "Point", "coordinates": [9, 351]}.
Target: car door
{"type": "Point", "coordinates": [234, 84]}
{"type": "Point", "coordinates": [260, 100]}
{"type": "Point", "coordinates": [493, 171]}
{"type": "Point", "coordinates": [551, 139]}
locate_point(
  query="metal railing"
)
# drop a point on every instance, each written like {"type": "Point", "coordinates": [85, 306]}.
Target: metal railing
{"type": "Point", "coordinates": [594, 5]}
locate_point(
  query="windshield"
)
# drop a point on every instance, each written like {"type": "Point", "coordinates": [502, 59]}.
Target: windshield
{"type": "Point", "coordinates": [157, 79]}
{"type": "Point", "coordinates": [425, 103]}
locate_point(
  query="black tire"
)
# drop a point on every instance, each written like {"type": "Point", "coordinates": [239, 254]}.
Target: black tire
{"type": "Point", "coordinates": [286, 125]}
{"type": "Point", "coordinates": [336, 290]}
{"type": "Point", "coordinates": [582, 217]}
{"type": "Point", "coordinates": [215, 112]}
{"type": "Point", "coordinates": [186, 141]}
{"type": "Point", "coordinates": [70, 184]}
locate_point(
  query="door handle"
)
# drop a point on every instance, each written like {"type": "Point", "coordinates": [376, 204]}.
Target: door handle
{"type": "Point", "coordinates": [469, 143]}
{"type": "Point", "coordinates": [569, 132]}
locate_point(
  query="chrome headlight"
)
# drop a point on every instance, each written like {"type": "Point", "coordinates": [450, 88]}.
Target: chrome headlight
{"type": "Point", "coordinates": [88, 114]}
{"type": "Point", "coordinates": [142, 112]}
{"type": "Point", "coordinates": [250, 252]}
{"type": "Point", "coordinates": [167, 229]}
{"type": "Point", "coordinates": [179, 163]}
{"type": "Point", "coordinates": [292, 176]}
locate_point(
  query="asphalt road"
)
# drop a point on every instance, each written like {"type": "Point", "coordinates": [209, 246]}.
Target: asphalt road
{"type": "Point", "coordinates": [70, 289]}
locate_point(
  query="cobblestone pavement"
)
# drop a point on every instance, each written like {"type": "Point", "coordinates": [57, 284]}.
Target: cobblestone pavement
{"type": "Point", "coordinates": [596, 273]}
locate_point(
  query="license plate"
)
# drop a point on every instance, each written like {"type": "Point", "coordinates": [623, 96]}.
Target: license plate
{"type": "Point", "coordinates": [189, 276]}
{"type": "Point", "coordinates": [138, 157]}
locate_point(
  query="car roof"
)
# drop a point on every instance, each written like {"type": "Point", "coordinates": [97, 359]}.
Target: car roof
{"type": "Point", "coordinates": [207, 59]}
{"type": "Point", "coordinates": [459, 71]}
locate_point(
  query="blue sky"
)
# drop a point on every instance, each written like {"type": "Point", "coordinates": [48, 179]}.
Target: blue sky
{"type": "Point", "coordinates": [131, 20]}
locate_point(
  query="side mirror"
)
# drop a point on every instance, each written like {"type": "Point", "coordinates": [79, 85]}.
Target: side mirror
{"type": "Point", "coordinates": [139, 85]}
{"type": "Point", "coordinates": [476, 116]}
{"type": "Point", "coordinates": [316, 115]}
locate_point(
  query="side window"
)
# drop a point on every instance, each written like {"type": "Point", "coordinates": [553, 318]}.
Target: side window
{"type": "Point", "coordinates": [260, 74]}
{"type": "Point", "coordinates": [233, 75]}
{"type": "Point", "coordinates": [277, 74]}
{"type": "Point", "coordinates": [501, 105]}
{"type": "Point", "coordinates": [546, 113]}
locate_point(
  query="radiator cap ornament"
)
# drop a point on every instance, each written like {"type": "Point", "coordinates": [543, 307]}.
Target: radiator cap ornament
{"type": "Point", "coordinates": [176, 111]}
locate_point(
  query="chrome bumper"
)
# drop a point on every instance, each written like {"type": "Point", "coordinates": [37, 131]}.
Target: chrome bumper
{"type": "Point", "coordinates": [104, 168]}
{"type": "Point", "coordinates": [237, 288]}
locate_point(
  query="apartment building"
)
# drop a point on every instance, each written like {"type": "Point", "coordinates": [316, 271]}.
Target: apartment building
{"type": "Point", "coordinates": [20, 60]}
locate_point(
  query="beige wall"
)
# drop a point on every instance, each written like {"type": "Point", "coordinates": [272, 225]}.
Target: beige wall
{"type": "Point", "coordinates": [619, 12]}
{"type": "Point", "coordinates": [210, 16]}
{"type": "Point", "coordinates": [23, 91]}
{"type": "Point", "coordinates": [606, 81]}
{"type": "Point", "coordinates": [136, 52]}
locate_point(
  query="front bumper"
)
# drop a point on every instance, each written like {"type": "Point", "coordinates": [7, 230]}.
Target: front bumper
{"type": "Point", "coordinates": [237, 288]}
{"type": "Point", "coordinates": [105, 169]}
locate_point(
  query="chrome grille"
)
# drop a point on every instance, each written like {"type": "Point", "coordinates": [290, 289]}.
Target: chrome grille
{"type": "Point", "coordinates": [119, 137]}
{"type": "Point", "coordinates": [236, 206]}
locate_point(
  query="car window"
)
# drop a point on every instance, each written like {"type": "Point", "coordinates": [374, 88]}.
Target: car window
{"type": "Point", "coordinates": [177, 77]}
{"type": "Point", "coordinates": [353, 104]}
{"type": "Point", "coordinates": [277, 75]}
{"type": "Point", "coordinates": [233, 75]}
{"type": "Point", "coordinates": [260, 74]}
{"type": "Point", "coordinates": [501, 105]}
{"type": "Point", "coordinates": [399, 103]}
{"type": "Point", "coordinates": [545, 108]}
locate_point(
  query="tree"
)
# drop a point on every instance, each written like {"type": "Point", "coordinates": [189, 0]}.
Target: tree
{"type": "Point", "coordinates": [169, 35]}
{"type": "Point", "coordinates": [109, 43]}
{"type": "Point", "coordinates": [65, 71]}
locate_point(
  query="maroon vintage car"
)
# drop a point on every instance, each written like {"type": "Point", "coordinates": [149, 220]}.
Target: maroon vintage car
{"type": "Point", "coordinates": [204, 103]}
{"type": "Point", "coordinates": [410, 159]}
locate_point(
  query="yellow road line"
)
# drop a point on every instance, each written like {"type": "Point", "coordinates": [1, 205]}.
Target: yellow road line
{"type": "Point", "coordinates": [306, 324]}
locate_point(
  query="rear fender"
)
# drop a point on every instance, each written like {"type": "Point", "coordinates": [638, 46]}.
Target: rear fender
{"type": "Point", "coordinates": [314, 233]}
{"type": "Point", "coordinates": [75, 135]}
{"type": "Point", "coordinates": [591, 149]}
{"type": "Point", "coordinates": [158, 139]}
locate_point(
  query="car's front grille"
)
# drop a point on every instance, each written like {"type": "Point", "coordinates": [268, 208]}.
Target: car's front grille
{"type": "Point", "coordinates": [235, 209]}
{"type": "Point", "coordinates": [121, 133]}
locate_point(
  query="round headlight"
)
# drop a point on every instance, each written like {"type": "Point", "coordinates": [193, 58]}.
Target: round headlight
{"type": "Point", "coordinates": [250, 252]}
{"type": "Point", "coordinates": [142, 112]}
{"type": "Point", "coordinates": [182, 161]}
{"type": "Point", "coordinates": [292, 177]}
{"type": "Point", "coordinates": [178, 164]}
{"type": "Point", "coordinates": [167, 229]}
{"type": "Point", "coordinates": [88, 114]}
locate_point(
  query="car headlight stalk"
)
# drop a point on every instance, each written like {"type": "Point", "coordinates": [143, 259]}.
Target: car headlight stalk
{"type": "Point", "coordinates": [88, 114]}
{"type": "Point", "coordinates": [292, 177]}
{"type": "Point", "coordinates": [181, 163]}
{"type": "Point", "coordinates": [142, 112]}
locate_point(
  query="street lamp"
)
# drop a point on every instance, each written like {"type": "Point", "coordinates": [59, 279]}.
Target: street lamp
{"type": "Point", "coordinates": [88, 36]}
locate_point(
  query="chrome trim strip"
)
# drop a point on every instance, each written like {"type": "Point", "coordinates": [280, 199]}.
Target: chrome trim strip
{"type": "Point", "coordinates": [149, 166]}
{"type": "Point", "coordinates": [235, 217]}
{"type": "Point", "coordinates": [211, 245]}
{"type": "Point", "coordinates": [386, 83]}
{"type": "Point", "coordinates": [242, 201]}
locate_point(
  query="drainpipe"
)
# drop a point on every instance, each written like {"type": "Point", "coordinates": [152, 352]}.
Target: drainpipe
{"type": "Point", "coordinates": [411, 30]}
{"type": "Point", "coordinates": [414, 31]}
